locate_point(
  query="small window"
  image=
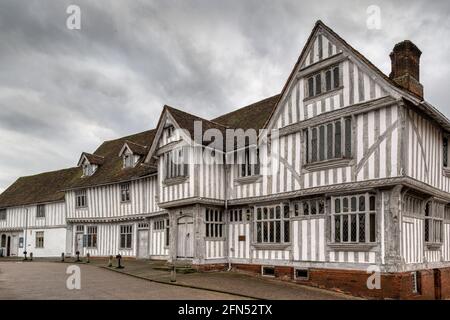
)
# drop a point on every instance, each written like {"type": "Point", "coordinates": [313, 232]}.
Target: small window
{"type": "Point", "coordinates": [167, 232]}
{"type": "Point", "coordinates": [445, 152]}
{"type": "Point", "coordinates": [80, 228]}
{"type": "Point", "coordinates": [324, 81]}
{"type": "Point", "coordinates": [158, 225]}
{"type": "Point", "coordinates": [143, 225]}
{"type": "Point", "coordinates": [40, 211]}
{"type": "Point", "coordinates": [88, 170]}
{"type": "Point", "coordinates": [415, 279]}
{"type": "Point", "coordinates": [3, 214]}
{"type": "Point", "coordinates": [176, 163]}
{"type": "Point", "coordinates": [80, 199]}
{"type": "Point", "coordinates": [125, 192]}
{"type": "Point", "coordinates": [128, 160]}
{"type": "Point", "coordinates": [170, 131]}
{"type": "Point", "coordinates": [301, 274]}
{"type": "Point", "coordinates": [39, 239]}
{"type": "Point", "coordinates": [126, 237]}
{"type": "Point", "coordinates": [91, 237]}
{"type": "Point", "coordinates": [214, 223]}
{"type": "Point", "coordinates": [268, 271]}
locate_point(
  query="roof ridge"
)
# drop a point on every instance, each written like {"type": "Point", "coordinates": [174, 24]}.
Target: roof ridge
{"type": "Point", "coordinates": [47, 172]}
{"type": "Point", "coordinates": [191, 114]}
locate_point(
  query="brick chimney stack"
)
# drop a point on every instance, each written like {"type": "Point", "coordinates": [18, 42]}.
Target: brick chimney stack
{"type": "Point", "coordinates": [405, 60]}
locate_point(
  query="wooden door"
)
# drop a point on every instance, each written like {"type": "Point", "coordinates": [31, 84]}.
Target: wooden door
{"type": "Point", "coordinates": [142, 244]}
{"type": "Point", "coordinates": [185, 244]}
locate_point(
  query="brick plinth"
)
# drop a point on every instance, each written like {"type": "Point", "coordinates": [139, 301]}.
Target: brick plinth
{"type": "Point", "coordinates": [432, 284]}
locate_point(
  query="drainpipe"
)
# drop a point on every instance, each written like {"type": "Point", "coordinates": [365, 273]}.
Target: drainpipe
{"type": "Point", "coordinates": [26, 230]}
{"type": "Point", "coordinates": [226, 209]}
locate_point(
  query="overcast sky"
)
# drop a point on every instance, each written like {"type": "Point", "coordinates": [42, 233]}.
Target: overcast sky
{"type": "Point", "coordinates": [65, 91]}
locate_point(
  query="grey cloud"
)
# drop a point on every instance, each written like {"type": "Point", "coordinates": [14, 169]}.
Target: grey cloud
{"type": "Point", "coordinates": [64, 91]}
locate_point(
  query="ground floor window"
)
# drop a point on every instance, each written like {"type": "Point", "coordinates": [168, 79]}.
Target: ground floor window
{"type": "Point", "coordinates": [214, 223]}
{"type": "Point", "coordinates": [167, 232]}
{"type": "Point", "coordinates": [309, 207]}
{"type": "Point", "coordinates": [126, 237]}
{"type": "Point", "coordinates": [353, 219]}
{"type": "Point", "coordinates": [434, 222]}
{"type": "Point", "coordinates": [91, 237]}
{"type": "Point", "coordinates": [272, 224]}
{"type": "Point", "coordinates": [39, 239]}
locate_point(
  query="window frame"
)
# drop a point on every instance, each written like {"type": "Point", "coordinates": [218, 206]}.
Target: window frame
{"type": "Point", "coordinates": [369, 213]}
{"type": "Point", "coordinates": [40, 211]}
{"type": "Point", "coordinates": [125, 192]}
{"type": "Point", "coordinates": [125, 236]}
{"type": "Point", "coordinates": [172, 169]}
{"type": "Point", "coordinates": [91, 237]}
{"type": "Point", "coordinates": [300, 206]}
{"type": "Point", "coordinates": [214, 224]}
{"type": "Point", "coordinates": [3, 214]}
{"type": "Point", "coordinates": [264, 219]}
{"type": "Point", "coordinates": [81, 199]}
{"type": "Point", "coordinates": [317, 146]}
{"type": "Point", "coordinates": [39, 240]}
{"type": "Point", "coordinates": [128, 160]}
{"type": "Point", "coordinates": [247, 168]}
{"type": "Point", "coordinates": [436, 219]}
{"type": "Point", "coordinates": [319, 81]}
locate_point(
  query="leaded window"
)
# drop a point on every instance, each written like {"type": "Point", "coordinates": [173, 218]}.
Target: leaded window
{"type": "Point", "coordinates": [272, 224]}
{"type": "Point", "coordinates": [80, 199]}
{"type": "Point", "coordinates": [329, 141]}
{"type": "Point", "coordinates": [39, 239]}
{"type": "Point", "coordinates": [40, 211]}
{"type": "Point", "coordinates": [2, 214]}
{"type": "Point", "coordinates": [353, 219]}
{"type": "Point", "coordinates": [125, 192]}
{"type": "Point", "coordinates": [309, 207]}
{"type": "Point", "coordinates": [323, 81]}
{"type": "Point", "coordinates": [126, 237]}
{"type": "Point", "coordinates": [176, 163]}
{"type": "Point", "coordinates": [91, 237]}
{"type": "Point", "coordinates": [434, 216]}
{"type": "Point", "coordinates": [214, 223]}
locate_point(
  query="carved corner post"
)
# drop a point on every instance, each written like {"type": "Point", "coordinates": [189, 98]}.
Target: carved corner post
{"type": "Point", "coordinates": [173, 236]}
{"type": "Point", "coordinates": [392, 220]}
{"type": "Point", "coordinates": [199, 234]}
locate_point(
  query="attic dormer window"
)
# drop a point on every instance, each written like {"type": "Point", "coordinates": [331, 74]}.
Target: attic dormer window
{"type": "Point", "coordinates": [170, 131]}
{"type": "Point", "coordinates": [87, 170]}
{"type": "Point", "coordinates": [128, 161]}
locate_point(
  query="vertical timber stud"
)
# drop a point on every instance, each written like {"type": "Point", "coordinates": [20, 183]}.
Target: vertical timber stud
{"type": "Point", "coordinates": [173, 236]}
{"type": "Point", "coordinates": [402, 152]}
{"type": "Point", "coordinates": [200, 233]}
{"type": "Point", "coordinates": [392, 229]}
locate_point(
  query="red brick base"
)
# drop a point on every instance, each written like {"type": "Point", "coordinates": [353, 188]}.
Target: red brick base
{"type": "Point", "coordinates": [433, 284]}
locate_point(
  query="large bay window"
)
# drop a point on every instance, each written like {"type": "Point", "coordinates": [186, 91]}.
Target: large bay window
{"type": "Point", "coordinates": [434, 222]}
{"type": "Point", "coordinates": [272, 224]}
{"type": "Point", "coordinates": [353, 219]}
{"type": "Point", "coordinates": [329, 141]}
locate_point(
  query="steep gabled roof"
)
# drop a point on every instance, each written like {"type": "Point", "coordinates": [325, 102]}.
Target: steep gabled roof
{"type": "Point", "coordinates": [186, 121]}
{"type": "Point", "coordinates": [40, 188]}
{"type": "Point", "coordinates": [112, 171]}
{"type": "Point", "coordinates": [253, 116]}
{"type": "Point", "coordinates": [136, 148]}
{"type": "Point", "coordinates": [92, 158]}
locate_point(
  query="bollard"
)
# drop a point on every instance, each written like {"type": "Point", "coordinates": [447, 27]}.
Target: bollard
{"type": "Point", "coordinates": [25, 254]}
{"type": "Point", "coordinates": [31, 256]}
{"type": "Point", "coordinates": [62, 257]}
{"type": "Point", "coordinates": [173, 274]}
{"type": "Point", "coordinates": [119, 258]}
{"type": "Point", "coordinates": [87, 257]}
{"type": "Point", "coordinates": [78, 256]}
{"type": "Point", "coordinates": [110, 261]}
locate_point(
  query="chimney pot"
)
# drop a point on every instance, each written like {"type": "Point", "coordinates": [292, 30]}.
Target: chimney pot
{"type": "Point", "coordinates": [405, 59]}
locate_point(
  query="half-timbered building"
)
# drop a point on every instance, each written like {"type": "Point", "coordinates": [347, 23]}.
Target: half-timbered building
{"type": "Point", "coordinates": [349, 174]}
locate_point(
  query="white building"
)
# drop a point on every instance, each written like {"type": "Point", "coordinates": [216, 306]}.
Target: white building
{"type": "Point", "coordinates": [359, 178]}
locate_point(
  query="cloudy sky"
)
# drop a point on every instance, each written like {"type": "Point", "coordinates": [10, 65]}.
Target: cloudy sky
{"type": "Point", "coordinates": [65, 91]}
